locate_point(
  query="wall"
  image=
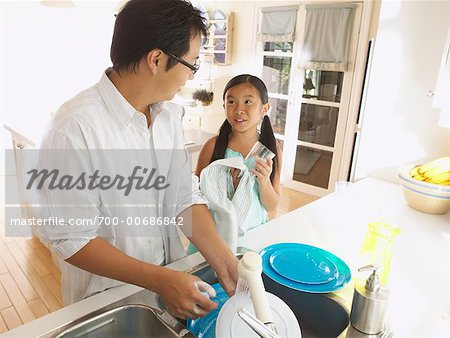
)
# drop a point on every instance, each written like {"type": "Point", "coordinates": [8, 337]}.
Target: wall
{"type": "Point", "coordinates": [399, 123]}
{"type": "Point", "coordinates": [48, 55]}
{"type": "Point", "coordinates": [244, 37]}
{"type": "Point", "coordinates": [51, 54]}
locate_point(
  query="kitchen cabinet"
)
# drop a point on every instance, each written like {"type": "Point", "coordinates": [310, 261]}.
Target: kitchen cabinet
{"type": "Point", "coordinates": [220, 39]}
{"type": "Point", "coordinates": [204, 118]}
{"type": "Point", "coordinates": [193, 116]}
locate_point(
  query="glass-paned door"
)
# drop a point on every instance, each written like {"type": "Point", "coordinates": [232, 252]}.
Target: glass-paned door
{"type": "Point", "coordinates": [310, 110]}
{"type": "Point", "coordinates": [277, 66]}
{"type": "Point", "coordinates": [306, 159]}
{"type": "Point", "coordinates": [317, 126]}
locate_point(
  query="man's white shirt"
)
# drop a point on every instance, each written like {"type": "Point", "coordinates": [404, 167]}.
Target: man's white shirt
{"type": "Point", "coordinates": [98, 119]}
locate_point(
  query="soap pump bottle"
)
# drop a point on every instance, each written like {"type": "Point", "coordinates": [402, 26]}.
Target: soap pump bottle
{"type": "Point", "coordinates": [369, 303]}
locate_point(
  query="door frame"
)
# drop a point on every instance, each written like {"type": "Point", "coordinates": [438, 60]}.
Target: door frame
{"type": "Point", "coordinates": [348, 107]}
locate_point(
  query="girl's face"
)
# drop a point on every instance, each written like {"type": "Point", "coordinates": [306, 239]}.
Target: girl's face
{"type": "Point", "coordinates": [243, 107]}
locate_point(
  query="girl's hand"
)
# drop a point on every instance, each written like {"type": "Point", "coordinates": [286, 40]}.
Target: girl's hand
{"type": "Point", "coordinates": [262, 170]}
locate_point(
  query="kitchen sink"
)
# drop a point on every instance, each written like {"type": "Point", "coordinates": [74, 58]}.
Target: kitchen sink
{"type": "Point", "coordinates": [319, 315]}
{"type": "Point", "coordinates": [135, 316]}
{"type": "Point", "coordinates": [143, 315]}
{"type": "Point", "coordinates": [123, 321]}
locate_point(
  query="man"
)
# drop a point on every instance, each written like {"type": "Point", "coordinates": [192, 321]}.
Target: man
{"type": "Point", "coordinates": [154, 51]}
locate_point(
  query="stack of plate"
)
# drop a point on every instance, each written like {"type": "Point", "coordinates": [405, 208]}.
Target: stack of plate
{"type": "Point", "coordinates": [304, 267]}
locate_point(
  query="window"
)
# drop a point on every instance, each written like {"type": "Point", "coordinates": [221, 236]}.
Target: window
{"type": "Point", "coordinates": [309, 82]}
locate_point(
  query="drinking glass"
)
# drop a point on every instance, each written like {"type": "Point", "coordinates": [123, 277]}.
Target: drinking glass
{"type": "Point", "coordinates": [259, 150]}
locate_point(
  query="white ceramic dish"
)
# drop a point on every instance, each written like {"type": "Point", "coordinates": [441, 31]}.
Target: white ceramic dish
{"type": "Point", "coordinates": [424, 196]}
{"type": "Point", "coordinates": [221, 23]}
{"type": "Point", "coordinates": [230, 325]}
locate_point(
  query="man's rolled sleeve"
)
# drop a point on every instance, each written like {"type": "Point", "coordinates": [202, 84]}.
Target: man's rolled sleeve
{"type": "Point", "coordinates": [190, 196]}
{"type": "Point", "coordinates": [66, 248]}
{"type": "Point", "coordinates": [77, 208]}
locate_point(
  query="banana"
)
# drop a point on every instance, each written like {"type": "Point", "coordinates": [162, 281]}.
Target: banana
{"type": "Point", "coordinates": [439, 179]}
{"type": "Point", "coordinates": [435, 167]}
{"type": "Point", "coordinates": [436, 171]}
{"type": "Point", "coordinates": [414, 173]}
{"type": "Point", "coordinates": [419, 177]}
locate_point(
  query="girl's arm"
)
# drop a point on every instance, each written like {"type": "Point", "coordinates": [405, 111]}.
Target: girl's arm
{"type": "Point", "coordinates": [205, 155]}
{"type": "Point", "coordinates": [269, 192]}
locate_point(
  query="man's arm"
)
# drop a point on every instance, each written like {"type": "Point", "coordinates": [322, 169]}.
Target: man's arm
{"type": "Point", "coordinates": [205, 237]}
{"type": "Point", "coordinates": [176, 288]}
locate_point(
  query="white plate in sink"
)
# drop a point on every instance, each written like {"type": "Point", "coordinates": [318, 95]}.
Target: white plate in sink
{"type": "Point", "coordinates": [230, 325]}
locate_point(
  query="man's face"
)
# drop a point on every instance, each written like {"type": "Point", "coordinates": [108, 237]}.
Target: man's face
{"type": "Point", "coordinates": [176, 77]}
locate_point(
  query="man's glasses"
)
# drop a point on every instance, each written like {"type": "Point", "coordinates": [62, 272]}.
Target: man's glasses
{"type": "Point", "coordinates": [194, 67]}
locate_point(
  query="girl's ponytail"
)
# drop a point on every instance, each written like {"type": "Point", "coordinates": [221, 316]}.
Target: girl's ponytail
{"type": "Point", "coordinates": [221, 142]}
{"type": "Point", "coordinates": [268, 139]}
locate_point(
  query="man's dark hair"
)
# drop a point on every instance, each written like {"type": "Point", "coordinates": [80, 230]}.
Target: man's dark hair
{"type": "Point", "coordinates": [143, 25]}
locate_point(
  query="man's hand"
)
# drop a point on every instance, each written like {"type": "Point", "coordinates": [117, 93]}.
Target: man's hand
{"type": "Point", "coordinates": [181, 296]}
{"type": "Point", "coordinates": [203, 233]}
{"type": "Point", "coordinates": [177, 289]}
{"type": "Point", "coordinates": [228, 276]}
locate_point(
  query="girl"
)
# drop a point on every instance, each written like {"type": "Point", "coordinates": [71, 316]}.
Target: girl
{"type": "Point", "coordinates": [246, 105]}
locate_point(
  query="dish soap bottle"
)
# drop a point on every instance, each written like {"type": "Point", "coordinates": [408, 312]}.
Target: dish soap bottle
{"type": "Point", "coordinates": [369, 303]}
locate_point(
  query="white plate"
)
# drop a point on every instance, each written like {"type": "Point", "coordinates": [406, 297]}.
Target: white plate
{"type": "Point", "coordinates": [219, 15]}
{"type": "Point", "coordinates": [230, 325]}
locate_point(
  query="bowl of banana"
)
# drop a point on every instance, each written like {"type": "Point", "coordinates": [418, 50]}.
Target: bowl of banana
{"type": "Point", "coordinates": [427, 187]}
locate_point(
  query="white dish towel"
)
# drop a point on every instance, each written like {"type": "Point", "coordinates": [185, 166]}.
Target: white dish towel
{"type": "Point", "coordinates": [230, 214]}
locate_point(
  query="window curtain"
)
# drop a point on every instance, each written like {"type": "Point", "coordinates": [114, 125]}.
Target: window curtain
{"type": "Point", "coordinates": [327, 38]}
{"type": "Point", "coordinates": [278, 24]}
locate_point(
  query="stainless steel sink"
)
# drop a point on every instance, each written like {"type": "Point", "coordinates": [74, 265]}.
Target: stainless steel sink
{"type": "Point", "coordinates": [319, 315]}
{"type": "Point", "coordinates": [123, 321]}
{"type": "Point", "coordinates": [135, 316]}
{"type": "Point", "coordinates": [143, 315]}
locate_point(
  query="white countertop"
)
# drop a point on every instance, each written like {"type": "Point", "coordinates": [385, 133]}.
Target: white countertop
{"type": "Point", "coordinates": [194, 138]}
{"type": "Point", "coordinates": [419, 305]}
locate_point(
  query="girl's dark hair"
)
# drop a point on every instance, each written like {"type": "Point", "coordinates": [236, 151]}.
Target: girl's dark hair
{"type": "Point", "coordinates": [144, 25]}
{"type": "Point", "coordinates": [266, 136]}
